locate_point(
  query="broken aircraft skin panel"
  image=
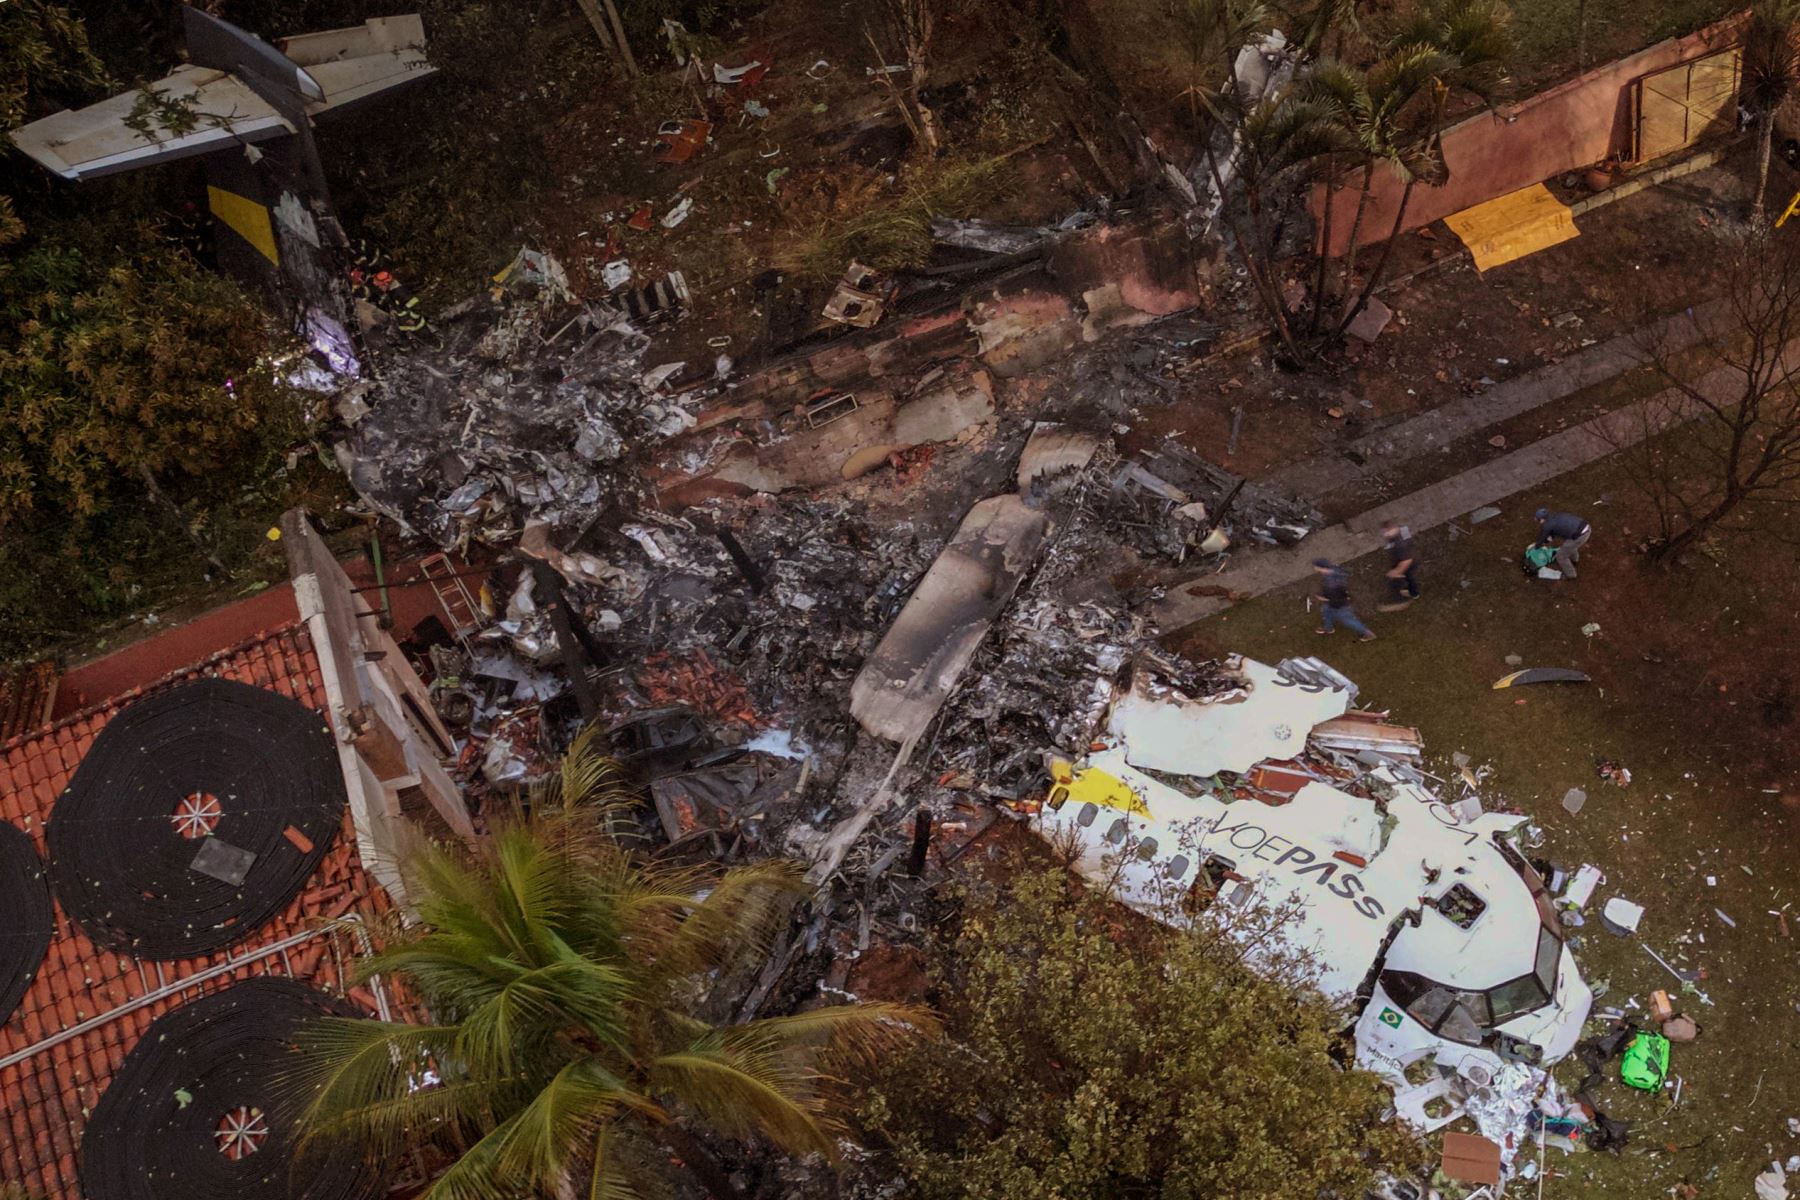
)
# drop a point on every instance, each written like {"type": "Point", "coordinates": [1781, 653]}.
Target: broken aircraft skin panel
{"type": "Point", "coordinates": [1267, 716]}
{"type": "Point", "coordinates": [1434, 931]}
{"type": "Point", "coordinates": [918, 662]}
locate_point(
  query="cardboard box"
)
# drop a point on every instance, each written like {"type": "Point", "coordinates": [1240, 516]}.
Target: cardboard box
{"type": "Point", "coordinates": [1471, 1158]}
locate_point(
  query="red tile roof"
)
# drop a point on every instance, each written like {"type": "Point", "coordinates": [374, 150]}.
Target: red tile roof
{"type": "Point", "coordinates": [45, 1098]}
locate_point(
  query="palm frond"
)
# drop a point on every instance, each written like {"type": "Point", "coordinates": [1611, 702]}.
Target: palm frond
{"type": "Point", "coordinates": [742, 1094]}
{"type": "Point", "coordinates": [1287, 132]}
{"type": "Point", "coordinates": [591, 778]}
{"type": "Point", "coordinates": [734, 920]}
{"type": "Point", "coordinates": [552, 1130]}
{"type": "Point", "coordinates": [1476, 35]}
{"type": "Point", "coordinates": [1214, 30]}
{"type": "Point", "coordinates": [610, 1178]}
{"type": "Point", "coordinates": [844, 1033]}
{"type": "Point", "coordinates": [366, 1078]}
{"type": "Point", "coordinates": [1771, 63]}
{"type": "Point", "coordinates": [1318, 21]}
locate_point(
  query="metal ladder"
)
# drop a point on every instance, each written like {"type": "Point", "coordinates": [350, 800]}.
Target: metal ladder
{"type": "Point", "coordinates": [453, 596]}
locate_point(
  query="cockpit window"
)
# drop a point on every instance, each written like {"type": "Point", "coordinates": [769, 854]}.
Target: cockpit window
{"type": "Point", "coordinates": [1549, 958]}
{"type": "Point", "coordinates": [1458, 1016]}
{"type": "Point", "coordinates": [1516, 998]}
{"type": "Point", "coordinates": [1533, 991]}
{"type": "Point", "coordinates": [1466, 1018]}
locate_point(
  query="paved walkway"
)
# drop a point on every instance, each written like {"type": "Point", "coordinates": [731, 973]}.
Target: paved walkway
{"type": "Point", "coordinates": [1388, 448]}
{"type": "Point", "coordinates": [1252, 573]}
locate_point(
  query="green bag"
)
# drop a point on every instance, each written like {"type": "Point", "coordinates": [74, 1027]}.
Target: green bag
{"type": "Point", "coordinates": [1537, 557]}
{"type": "Point", "coordinates": [1646, 1062]}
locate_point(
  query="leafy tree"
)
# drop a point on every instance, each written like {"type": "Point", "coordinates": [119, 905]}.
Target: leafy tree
{"type": "Point", "coordinates": [1255, 142]}
{"type": "Point", "coordinates": [144, 369]}
{"type": "Point", "coordinates": [567, 985]}
{"type": "Point", "coordinates": [138, 414]}
{"type": "Point", "coordinates": [1771, 79]}
{"type": "Point", "coordinates": [1719, 449]}
{"type": "Point", "coordinates": [1091, 1054]}
{"type": "Point", "coordinates": [43, 48]}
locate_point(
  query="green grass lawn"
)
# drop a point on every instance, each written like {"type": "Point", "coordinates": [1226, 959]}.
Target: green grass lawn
{"type": "Point", "coordinates": [1689, 692]}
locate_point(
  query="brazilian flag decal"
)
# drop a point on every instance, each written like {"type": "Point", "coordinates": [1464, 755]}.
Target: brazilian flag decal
{"type": "Point", "coordinates": [1390, 1018]}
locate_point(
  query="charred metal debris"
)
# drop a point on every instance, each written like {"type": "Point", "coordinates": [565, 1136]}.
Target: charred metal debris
{"type": "Point", "coordinates": [703, 565]}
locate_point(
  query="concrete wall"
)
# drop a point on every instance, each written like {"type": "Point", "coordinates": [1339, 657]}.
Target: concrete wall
{"type": "Point", "coordinates": [389, 737]}
{"type": "Point", "coordinates": [1569, 127]}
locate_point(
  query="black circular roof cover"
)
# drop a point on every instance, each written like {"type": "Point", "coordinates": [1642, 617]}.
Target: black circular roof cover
{"type": "Point", "coordinates": [29, 920]}
{"type": "Point", "coordinates": [195, 1112]}
{"type": "Point", "coordinates": [270, 800]}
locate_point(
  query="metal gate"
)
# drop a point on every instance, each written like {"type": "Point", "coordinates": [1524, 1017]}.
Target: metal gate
{"type": "Point", "coordinates": [1676, 107]}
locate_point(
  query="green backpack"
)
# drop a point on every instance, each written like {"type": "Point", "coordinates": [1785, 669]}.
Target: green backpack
{"type": "Point", "coordinates": [1646, 1062]}
{"type": "Point", "coordinates": [1537, 557]}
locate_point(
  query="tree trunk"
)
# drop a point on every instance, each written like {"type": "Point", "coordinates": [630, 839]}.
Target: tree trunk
{"type": "Point", "coordinates": [928, 123]}
{"type": "Point", "coordinates": [591, 10]}
{"type": "Point", "coordinates": [1259, 279]}
{"type": "Point", "coordinates": [1696, 529]}
{"type": "Point", "coordinates": [618, 27]}
{"type": "Point", "coordinates": [1362, 206]}
{"type": "Point", "coordinates": [1581, 34]}
{"type": "Point", "coordinates": [700, 1162]}
{"type": "Point", "coordinates": [1387, 249]}
{"type": "Point", "coordinates": [1312, 325]}
{"type": "Point", "coordinates": [1765, 139]}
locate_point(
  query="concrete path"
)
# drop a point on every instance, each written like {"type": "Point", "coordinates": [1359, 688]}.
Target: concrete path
{"type": "Point", "coordinates": [1254, 572]}
{"type": "Point", "coordinates": [1385, 449]}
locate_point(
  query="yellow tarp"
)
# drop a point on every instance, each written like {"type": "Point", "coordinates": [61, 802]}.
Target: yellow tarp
{"type": "Point", "coordinates": [1513, 226]}
{"type": "Point", "coordinates": [245, 217]}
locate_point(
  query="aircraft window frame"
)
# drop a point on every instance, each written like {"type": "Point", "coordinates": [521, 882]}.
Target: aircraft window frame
{"type": "Point", "coordinates": [1463, 1005]}
{"type": "Point", "coordinates": [1438, 1007]}
{"type": "Point", "coordinates": [1545, 989]}
{"type": "Point", "coordinates": [1473, 908]}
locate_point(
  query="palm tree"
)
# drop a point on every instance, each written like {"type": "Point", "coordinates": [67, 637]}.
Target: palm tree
{"type": "Point", "coordinates": [1276, 137]}
{"type": "Point", "coordinates": [567, 1055]}
{"type": "Point", "coordinates": [1253, 144]}
{"type": "Point", "coordinates": [1452, 45]}
{"type": "Point", "coordinates": [1771, 77]}
{"type": "Point", "coordinates": [1372, 108]}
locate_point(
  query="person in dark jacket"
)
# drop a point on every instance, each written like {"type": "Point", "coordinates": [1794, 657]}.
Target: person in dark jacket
{"type": "Point", "coordinates": [1565, 531]}
{"type": "Point", "coordinates": [1334, 601]}
{"type": "Point", "coordinates": [1403, 566]}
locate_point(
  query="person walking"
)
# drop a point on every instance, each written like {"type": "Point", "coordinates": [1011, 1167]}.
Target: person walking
{"type": "Point", "coordinates": [1565, 531]}
{"type": "Point", "coordinates": [1403, 566]}
{"type": "Point", "coordinates": [1334, 601]}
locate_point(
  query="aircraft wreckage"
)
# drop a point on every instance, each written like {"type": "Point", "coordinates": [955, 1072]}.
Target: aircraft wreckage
{"type": "Point", "coordinates": [1422, 917]}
